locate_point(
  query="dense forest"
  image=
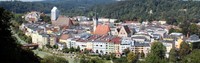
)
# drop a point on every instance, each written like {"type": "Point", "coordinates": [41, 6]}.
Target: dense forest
{"type": "Point", "coordinates": [170, 10]}
{"type": "Point", "coordinates": [46, 6]}
{"type": "Point", "coordinates": [161, 9]}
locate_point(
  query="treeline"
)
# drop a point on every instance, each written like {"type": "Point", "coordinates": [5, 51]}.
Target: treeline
{"type": "Point", "coordinates": [46, 6]}
{"type": "Point", "coordinates": [140, 9]}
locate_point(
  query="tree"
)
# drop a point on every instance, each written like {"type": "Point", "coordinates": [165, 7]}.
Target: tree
{"type": "Point", "coordinates": [126, 51]}
{"type": "Point", "coordinates": [72, 49]}
{"type": "Point", "coordinates": [157, 54]}
{"type": "Point", "coordinates": [184, 50]}
{"type": "Point", "coordinates": [78, 49]}
{"type": "Point", "coordinates": [55, 46]}
{"type": "Point", "coordinates": [53, 59]}
{"type": "Point", "coordinates": [11, 52]}
{"type": "Point", "coordinates": [66, 50]}
{"type": "Point", "coordinates": [193, 57]}
{"type": "Point", "coordinates": [173, 55]}
{"type": "Point", "coordinates": [131, 57]}
{"type": "Point", "coordinates": [142, 55]}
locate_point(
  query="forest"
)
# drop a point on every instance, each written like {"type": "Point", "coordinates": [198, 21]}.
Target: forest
{"type": "Point", "coordinates": [173, 11]}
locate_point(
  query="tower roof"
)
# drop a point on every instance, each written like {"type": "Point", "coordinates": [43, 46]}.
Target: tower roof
{"type": "Point", "coordinates": [54, 8]}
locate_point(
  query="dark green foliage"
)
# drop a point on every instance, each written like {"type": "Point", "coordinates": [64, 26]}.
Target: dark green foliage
{"type": "Point", "coordinates": [142, 55]}
{"type": "Point", "coordinates": [78, 49]}
{"type": "Point", "coordinates": [132, 57]}
{"type": "Point", "coordinates": [11, 52]}
{"type": "Point", "coordinates": [193, 57]}
{"type": "Point", "coordinates": [120, 60]}
{"type": "Point", "coordinates": [184, 50]}
{"type": "Point", "coordinates": [173, 55]}
{"type": "Point", "coordinates": [66, 50]}
{"type": "Point", "coordinates": [53, 59]}
{"type": "Point", "coordinates": [45, 18]}
{"type": "Point", "coordinates": [66, 6]}
{"type": "Point", "coordinates": [55, 46]}
{"type": "Point", "coordinates": [174, 30]}
{"type": "Point", "coordinates": [157, 54]}
{"type": "Point", "coordinates": [195, 45]}
{"type": "Point", "coordinates": [126, 51]}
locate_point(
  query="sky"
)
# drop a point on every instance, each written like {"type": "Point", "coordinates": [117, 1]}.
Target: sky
{"type": "Point", "coordinates": [23, 0]}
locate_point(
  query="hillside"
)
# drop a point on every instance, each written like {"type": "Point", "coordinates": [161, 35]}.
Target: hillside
{"type": "Point", "coordinates": [161, 9]}
{"type": "Point", "coordinates": [45, 6]}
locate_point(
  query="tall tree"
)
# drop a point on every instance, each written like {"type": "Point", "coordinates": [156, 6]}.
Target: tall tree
{"type": "Point", "coordinates": [131, 57]}
{"type": "Point", "coordinates": [173, 55]}
{"type": "Point", "coordinates": [11, 52]}
{"type": "Point", "coordinates": [157, 53]}
{"type": "Point", "coordinates": [184, 50]}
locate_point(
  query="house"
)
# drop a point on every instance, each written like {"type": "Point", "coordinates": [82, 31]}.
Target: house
{"type": "Point", "coordinates": [124, 32]}
{"type": "Point", "coordinates": [193, 38]}
{"type": "Point", "coordinates": [117, 42]}
{"type": "Point", "coordinates": [64, 39]}
{"type": "Point", "coordinates": [53, 40]}
{"type": "Point", "coordinates": [138, 47]}
{"type": "Point", "coordinates": [40, 39]}
{"type": "Point", "coordinates": [169, 45]}
{"type": "Point", "coordinates": [32, 17]}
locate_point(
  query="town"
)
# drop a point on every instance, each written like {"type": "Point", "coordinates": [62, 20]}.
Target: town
{"type": "Point", "coordinates": [100, 31]}
{"type": "Point", "coordinates": [101, 35]}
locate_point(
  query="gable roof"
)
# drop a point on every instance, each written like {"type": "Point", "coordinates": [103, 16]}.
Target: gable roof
{"type": "Point", "coordinates": [102, 30]}
{"type": "Point", "coordinates": [127, 30]}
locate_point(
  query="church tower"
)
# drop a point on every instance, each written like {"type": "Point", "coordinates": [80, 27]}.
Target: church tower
{"type": "Point", "coordinates": [54, 13]}
{"type": "Point", "coordinates": [95, 22]}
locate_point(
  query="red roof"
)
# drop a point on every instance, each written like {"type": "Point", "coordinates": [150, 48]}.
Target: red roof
{"type": "Point", "coordinates": [116, 40]}
{"type": "Point", "coordinates": [102, 30]}
{"type": "Point", "coordinates": [64, 36]}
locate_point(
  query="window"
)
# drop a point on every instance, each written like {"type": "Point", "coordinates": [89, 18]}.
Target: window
{"type": "Point", "coordinates": [101, 45]}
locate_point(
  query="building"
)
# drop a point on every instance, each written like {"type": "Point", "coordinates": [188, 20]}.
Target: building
{"type": "Point", "coordinates": [54, 13]}
{"type": "Point", "coordinates": [63, 21]}
{"type": "Point", "coordinates": [102, 30]}
{"type": "Point", "coordinates": [124, 31]}
{"type": "Point", "coordinates": [193, 38]}
{"type": "Point", "coordinates": [95, 23]}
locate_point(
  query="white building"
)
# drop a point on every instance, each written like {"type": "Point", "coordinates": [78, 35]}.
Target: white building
{"type": "Point", "coordinates": [54, 13]}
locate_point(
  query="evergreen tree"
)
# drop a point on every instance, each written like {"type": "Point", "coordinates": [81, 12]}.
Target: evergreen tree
{"type": "Point", "coordinates": [11, 52]}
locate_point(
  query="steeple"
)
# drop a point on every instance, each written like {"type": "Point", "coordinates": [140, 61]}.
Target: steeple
{"type": "Point", "coordinates": [95, 21]}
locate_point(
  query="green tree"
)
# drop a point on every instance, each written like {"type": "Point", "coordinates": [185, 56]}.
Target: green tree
{"type": "Point", "coordinates": [53, 59]}
{"type": "Point", "coordinates": [142, 55]}
{"type": "Point", "coordinates": [78, 49]}
{"type": "Point", "coordinates": [184, 50]}
{"type": "Point", "coordinates": [173, 55]}
{"type": "Point", "coordinates": [131, 57]}
{"type": "Point", "coordinates": [66, 50]}
{"type": "Point", "coordinates": [72, 49]}
{"type": "Point", "coordinates": [55, 46]}
{"type": "Point", "coordinates": [11, 52]}
{"type": "Point", "coordinates": [126, 51]}
{"type": "Point", "coordinates": [157, 54]}
{"type": "Point", "coordinates": [193, 57]}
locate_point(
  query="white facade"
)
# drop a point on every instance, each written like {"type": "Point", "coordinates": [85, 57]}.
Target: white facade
{"type": "Point", "coordinates": [54, 13]}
